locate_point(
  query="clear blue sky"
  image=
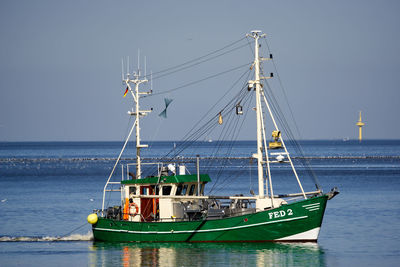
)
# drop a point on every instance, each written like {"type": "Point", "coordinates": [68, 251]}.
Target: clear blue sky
{"type": "Point", "coordinates": [60, 63]}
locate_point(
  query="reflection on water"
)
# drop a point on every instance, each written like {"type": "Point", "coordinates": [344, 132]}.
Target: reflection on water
{"type": "Point", "coordinates": [206, 254]}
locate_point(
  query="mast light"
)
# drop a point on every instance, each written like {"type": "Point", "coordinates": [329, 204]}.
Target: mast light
{"type": "Point", "coordinates": [239, 109]}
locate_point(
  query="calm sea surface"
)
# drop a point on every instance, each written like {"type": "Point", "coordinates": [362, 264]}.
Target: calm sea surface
{"type": "Point", "coordinates": [48, 189]}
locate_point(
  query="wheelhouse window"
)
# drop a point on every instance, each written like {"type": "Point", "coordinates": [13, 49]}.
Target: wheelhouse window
{"type": "Point", "coordinates": [179, 189]}
{"type": "Point", "coordinates": [166, 190]}
{"type": "Point", "coordinates": [184, 190]}
{"type": "Point", "coordinates": [144, 190]}
{"type": "Point", "coordinates": [132, 190]}
{"type": "Point", "coordinates": [202, 189]}
{"type": "Point", "coordinates": [191, 191]}
{"type": "Point", "coordinates": [156, 188]}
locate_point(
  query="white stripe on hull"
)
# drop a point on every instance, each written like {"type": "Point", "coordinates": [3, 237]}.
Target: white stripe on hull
{"type": "Point", "coordinates": [311, 235]}
{"type": "Point", "coordinates": [312, 207]}
{"type": "Point", "coordinates": [201, 231]}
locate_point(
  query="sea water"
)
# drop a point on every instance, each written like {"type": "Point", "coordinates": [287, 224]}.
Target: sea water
{"type": "Point", "coordinates": [48, 189]}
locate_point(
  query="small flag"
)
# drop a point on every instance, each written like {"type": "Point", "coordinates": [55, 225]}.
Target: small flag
{"type": "Point", "coordinates": [126, 91]}
{"type": "Point", "coordinates": [220, 118]}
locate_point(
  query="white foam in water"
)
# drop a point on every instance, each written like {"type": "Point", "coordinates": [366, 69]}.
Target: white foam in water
{"type": "Point", "coordinates": [73, 237]}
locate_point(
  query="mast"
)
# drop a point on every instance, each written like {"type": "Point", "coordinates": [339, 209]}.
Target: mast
{"type": "Point", "coordinates": [259, 155]}
{"type": "Point", "coordinates": [138, 113]}
{"type": "Point", "coordinates": [261, 128]}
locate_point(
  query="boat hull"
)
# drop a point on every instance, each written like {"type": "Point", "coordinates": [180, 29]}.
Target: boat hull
{"type": "Point", "coordinates": [295, 222]}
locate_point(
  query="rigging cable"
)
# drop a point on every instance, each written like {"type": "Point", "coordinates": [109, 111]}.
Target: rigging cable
{"type": "Point", "coordinates": [229, 150]}
{"type": "Point", "coordinates": [192, 134]}
{"type": "Point", "coordinates": [197, 81]}
{"type": "Point", "coordinates": [283, 90]}
{"type": "Point", "coordinates": [126, 135]}
{"type": "Point", "coordinates": [291, 138]}
{"type": "Point", "coordinates": [199, 58]}
{"type": "Point", "coordinates": [250, 46]}
{"type": "Point", "coordinates": [211, 125]}
{"type": "Point", "coordinates": [208, 126]}
{"type": "Point", "coordinates": [198, 63]}
{"type": "Point", "coordinates": [203, 129]}
{"type": "Point", "coordinates": [196, 132]}
{"type": "Point", "coordinates": [283, 122]}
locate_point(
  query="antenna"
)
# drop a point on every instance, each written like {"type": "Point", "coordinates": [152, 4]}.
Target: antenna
{"type": "Point", "coordinates": [138, 61]}
{"type": "Point", "coordinates": [145, 66]}
{"type": "Point", "coordinates": [127, 66]}
{"type": "Point", "coordinates": [151, 81]}
{"type": "Point", "coordinates": [122, 68]}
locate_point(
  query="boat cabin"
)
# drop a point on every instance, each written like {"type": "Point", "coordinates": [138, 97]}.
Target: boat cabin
{"type": "Point", "coordinates": [164, 198]}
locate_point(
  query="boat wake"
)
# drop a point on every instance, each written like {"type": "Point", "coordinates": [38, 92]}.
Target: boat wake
{"type": "Point", "coordinates": [72, 237]}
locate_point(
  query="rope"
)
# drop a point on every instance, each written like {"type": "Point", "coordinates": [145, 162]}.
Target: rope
{"type": "Point", "coordinates": [283, 90]}
{"type": "Point", "coordinates": [197, 81]}
{"type": "Point", "coordinates": [193, 134]}
{"type": "Point", "coordinates": [126, 135]}
{"type": "Point", "coordinates": [79, 227]}
{"type": "Point", "coordinates": [291, 139]}
{"type": "Point", "coordinates": [199, 58]}
{"type": "Point", "coordinates": [198, 63]}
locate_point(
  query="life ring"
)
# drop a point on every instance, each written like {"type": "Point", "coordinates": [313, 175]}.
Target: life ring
{"type": "Point", "coordinates": [136, 208]}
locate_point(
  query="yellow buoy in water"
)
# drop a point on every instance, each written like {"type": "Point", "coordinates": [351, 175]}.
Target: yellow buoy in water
{"type": "Point", "coordinates": [92, 218]}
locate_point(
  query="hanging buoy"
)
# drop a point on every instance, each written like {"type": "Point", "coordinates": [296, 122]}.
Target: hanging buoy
{"type": "Point", "coordinates": [220, 118]}
{"type": "Point", "coordinates": [92, 218]}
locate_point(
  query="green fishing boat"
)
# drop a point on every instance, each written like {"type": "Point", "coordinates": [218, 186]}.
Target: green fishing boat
{"type": "Point", "coordinates": [169, 204]}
